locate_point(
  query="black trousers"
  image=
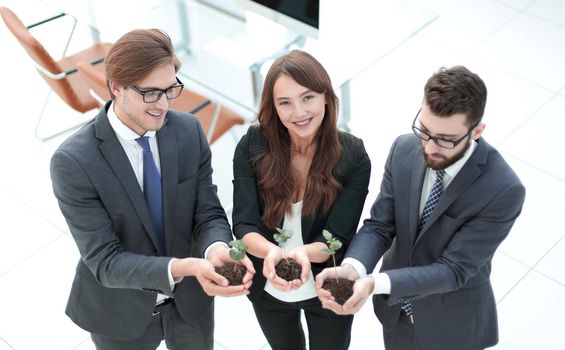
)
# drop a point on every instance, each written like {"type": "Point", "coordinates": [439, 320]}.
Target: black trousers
{"type": "Point", "coordinates": [280, 323]}
{"type": "Point", "coordinates": [167, 324]}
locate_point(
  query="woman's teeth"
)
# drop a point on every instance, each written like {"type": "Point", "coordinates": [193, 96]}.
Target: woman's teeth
{"type": "Point", "coordinates": [303, 122]}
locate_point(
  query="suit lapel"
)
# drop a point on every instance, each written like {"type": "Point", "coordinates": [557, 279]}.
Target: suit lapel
{"type": "Point", "coordinates": [169, 157]}
{"type": "Point", "coordinates": [116, 157]}
{"type": "Point", "coordinates": [416, 184]}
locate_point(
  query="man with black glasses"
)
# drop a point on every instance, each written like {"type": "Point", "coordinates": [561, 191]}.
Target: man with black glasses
{"type": "Point", "coordinates": [135, 187]}
{"type": "Point", "coordinates": [447, 200]}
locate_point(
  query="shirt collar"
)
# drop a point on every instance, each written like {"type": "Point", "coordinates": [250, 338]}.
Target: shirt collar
{"type": "Point", "coordinates": [454, 168]}
{"type": "Point", "coordinates": [121, 129]}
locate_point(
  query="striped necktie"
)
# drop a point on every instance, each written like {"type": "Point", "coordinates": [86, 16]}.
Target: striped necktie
{"type": "Point", "coordinates": [433, 198]}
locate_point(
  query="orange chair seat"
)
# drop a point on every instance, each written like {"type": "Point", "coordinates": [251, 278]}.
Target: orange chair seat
{"type": "Point", "coordinates": [82, 101]}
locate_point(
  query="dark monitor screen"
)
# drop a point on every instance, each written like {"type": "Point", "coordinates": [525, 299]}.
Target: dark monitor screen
{"type": "Point", "coordinates": [301, 16]}
{"type": "Point", "coordinates": [306, 11]}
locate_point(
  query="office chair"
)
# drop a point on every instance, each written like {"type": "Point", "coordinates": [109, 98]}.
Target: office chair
{"type": "Point", "coordinates": [61, 75]}
{"type": "Point", "coordinates": [214, 118]}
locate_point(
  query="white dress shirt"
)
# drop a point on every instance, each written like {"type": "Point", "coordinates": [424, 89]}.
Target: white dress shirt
{"type": "Point", "coordinates": [134, 152]}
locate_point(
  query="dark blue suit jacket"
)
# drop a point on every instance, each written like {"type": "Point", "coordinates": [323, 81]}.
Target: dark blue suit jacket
{"type": "Point", "coordinates": [445, 271]}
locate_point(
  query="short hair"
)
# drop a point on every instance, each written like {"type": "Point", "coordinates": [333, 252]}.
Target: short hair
{"type": "Point", "coordinates": [456, 90]}
{"type": "Point", "coordinates": [136, 54]}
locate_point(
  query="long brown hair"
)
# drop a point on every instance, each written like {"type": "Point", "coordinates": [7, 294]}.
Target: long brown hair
{"type": "Point", "coordinates": [136, 54]}
{"type": "Point", "coordinates": [276, 182]}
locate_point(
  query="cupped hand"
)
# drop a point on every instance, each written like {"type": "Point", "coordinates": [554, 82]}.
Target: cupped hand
{"type": "Point", "coordinates": [213, 283]}
{"type": "Point", "coordinates": [362, 290]}
{"type": "Point", "coordinates": [301, 256]}
{"type": "Point", "coordinates": [271, 260]}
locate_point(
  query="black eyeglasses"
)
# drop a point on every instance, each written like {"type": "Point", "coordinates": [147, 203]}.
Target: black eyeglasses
{"type": "Point", "coordinates": [154, 95]}
{"type": "Point", "coordinates": [441, 142]}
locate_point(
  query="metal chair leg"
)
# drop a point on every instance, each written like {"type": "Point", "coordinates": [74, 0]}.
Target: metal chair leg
{"type": "Point", "coordinates": [40, 118]}
{"type": "Point", "coordinates": [214, 122]}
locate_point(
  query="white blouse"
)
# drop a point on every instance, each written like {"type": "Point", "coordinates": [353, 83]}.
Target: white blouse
{"type": "Point", "coordinates": [293, 223]}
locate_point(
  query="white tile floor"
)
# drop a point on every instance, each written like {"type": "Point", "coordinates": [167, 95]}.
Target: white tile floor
{"type": "Point", "coordinates": [518, 47]}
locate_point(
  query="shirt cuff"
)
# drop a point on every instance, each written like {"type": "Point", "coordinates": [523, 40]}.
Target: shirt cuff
{"type": "Point", "coordinates": [212, 246]}
{"type": "Point", "coordinates": [357, 265]}
{"type": "Point", "coordinates": [382, 283]}
{"type": "Point", "coordinates": [173, 281]}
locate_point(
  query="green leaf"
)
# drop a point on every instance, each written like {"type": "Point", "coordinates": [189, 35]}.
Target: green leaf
{"type": "Point", "coordinates": [238, 249]}
{"type": "Point", "coordinates": [328, 251]}
{"type": "Point", "coordinates": [237, 254]}
{"type": "Point", "coordinates": [335, 245]}
{"type": "Point", "coordinates": [239, 245]}
{"type": "Point", "coordinates": [327, 235]}
{"type": "Point", "coordinates": [283, 235]}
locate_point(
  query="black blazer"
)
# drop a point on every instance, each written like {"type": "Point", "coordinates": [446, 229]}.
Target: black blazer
{"type": "Point", "coordinates": [120, 271]}
{"type": "Point", "coordinates": [353, 171]}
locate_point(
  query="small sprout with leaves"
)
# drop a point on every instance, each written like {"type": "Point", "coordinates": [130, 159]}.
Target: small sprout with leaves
{"type": "Point", "coordinates": [234, 271]}
{"type": "Point", "coordinates": [334, 245]}
{"type": "Point", "coordinates": [282, 235]}
{"type": "Point", "coordinates": [287, 268]}
{"type": "Point", "coordinates": [237, 250]}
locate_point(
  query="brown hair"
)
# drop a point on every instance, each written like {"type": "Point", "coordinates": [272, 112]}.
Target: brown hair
{"type": "Point", "coordinates": [136, 54]}
{"type": "Point", "coordinates": [456, 90]}
{"type": "Point", "coordinates": [276, 182]}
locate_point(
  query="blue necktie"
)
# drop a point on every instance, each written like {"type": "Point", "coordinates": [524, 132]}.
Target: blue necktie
{"type": "Point", "coordinates": [152, 191]}
{"type": "Point", "coordinates": [433, 198]}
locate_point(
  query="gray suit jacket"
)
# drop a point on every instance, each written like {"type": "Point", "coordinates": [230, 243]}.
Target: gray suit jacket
{"type": "Point", "coordinates": [120, 271]}
{"type": "Point", "coordinates": [445, 271]}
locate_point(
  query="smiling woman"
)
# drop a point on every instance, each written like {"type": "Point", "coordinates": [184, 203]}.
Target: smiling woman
{"type": "Point", "coordinates": [298, 110]}
{"type": "Point", "coordinates": [297, 172]}
{"type": "Point", "coordinates": [301, 111]}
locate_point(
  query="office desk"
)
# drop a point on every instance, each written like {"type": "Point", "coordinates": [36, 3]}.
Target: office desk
{"type": "Point", "coordinates": [228, 56]}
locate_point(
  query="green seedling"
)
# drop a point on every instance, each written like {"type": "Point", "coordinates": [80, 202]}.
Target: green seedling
{"type": "Point", "coordinates": [334, 245]}
{"type": "Point", "coordinates": [281, 237]}
{"type": "Point", "coordinates": [237, 250]}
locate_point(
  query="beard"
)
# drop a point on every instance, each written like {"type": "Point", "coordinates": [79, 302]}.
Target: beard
{"type": "Point", "coordinates": [444, 161]}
